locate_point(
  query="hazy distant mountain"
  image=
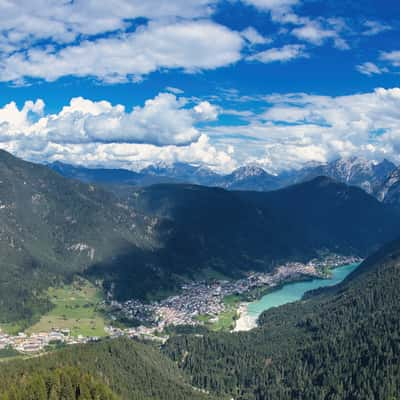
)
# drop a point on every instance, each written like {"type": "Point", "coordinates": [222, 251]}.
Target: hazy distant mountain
{"type": "Point", "coordinates": [250, 178]}
{"type": "Point", "coordinates": [355, 171]}
{"type": "Point", "coordinates": [154, 174]}
{"type": "Point", "coordinates": [365, 174]}
{"type": "Point", "coordinates": [244, 178]}
{"type": "Point", "coordinates": [183, 173]}
{"type": "Point", "coordinates": [96, 175]}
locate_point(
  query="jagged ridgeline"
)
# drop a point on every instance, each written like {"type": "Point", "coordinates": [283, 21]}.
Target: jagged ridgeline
{"type": "Point", "coordinates": [144, 242]}
{"type": "Point", "coordinates": [340, 343]}
{"type": "Point", "coordinates": [111, 370]}
{"type": "Point", "coordinates": [368, 175]}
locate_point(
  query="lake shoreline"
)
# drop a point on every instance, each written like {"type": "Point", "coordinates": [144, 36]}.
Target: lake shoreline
{"type": "Point", "coordinates": [246, 321]}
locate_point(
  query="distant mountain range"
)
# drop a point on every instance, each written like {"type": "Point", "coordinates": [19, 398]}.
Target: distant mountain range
{"type": "Point", "coordinates": [368, 175]}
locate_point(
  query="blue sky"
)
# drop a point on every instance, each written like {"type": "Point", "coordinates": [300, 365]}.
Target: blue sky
{"type": "Point", "coordinates": [217, 83]}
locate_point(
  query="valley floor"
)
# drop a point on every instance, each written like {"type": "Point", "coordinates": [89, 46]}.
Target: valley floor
{"type": "Point", "coordinates": [80, 314]}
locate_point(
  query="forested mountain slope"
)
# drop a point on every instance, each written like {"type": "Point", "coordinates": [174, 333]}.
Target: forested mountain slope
{"type": "Point", "coordinates": [341, 343]}
{"type": "Point", "coordinates": [231, 232]}
{"type": "Point", "coordinates": [296, 221]}
{"type": "Point", "coordinates": [110, 370]}
{"type": "Point", "coordinates": [51, 228]}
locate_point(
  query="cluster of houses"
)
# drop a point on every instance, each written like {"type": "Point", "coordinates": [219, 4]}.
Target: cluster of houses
{"type": "Point", "coordinates": [37, 342]}
{"type": "Point", "coordinates": [207, 298]}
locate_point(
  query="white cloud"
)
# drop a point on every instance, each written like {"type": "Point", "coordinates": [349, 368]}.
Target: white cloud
{"type": "Point", "coordinates": [298, 128]}
{"type": "Point", "coordinates": [253, 37]}
{"type": "Point", "coordinates": [164, 120]}
{"type": "Point", "coordinates": [293, 129]}
{"type": "Point", "coordinates": [313, 32]}
{"type": "Point", "coordinates": [205, 111]}
{"type": "Point", "coordinates": [185, 45]}
{"type": "Point", "coordinates": [174, 90]}
{"type": "Point", "coordinates": [369, 68]}
{"type": "Point", "coordinates": [280, 54]}
{"type": "Point", "coordinates": [272, 5]}
{"type": "Point", "coordinates": [125, 155]}
{"type": "Point", "coordinates": [25, 21]}
{"type": "Point", "coordinates": [318, 31]}
{"type": "Point", "coordinates": [393, 57]}
{"type": "Point", "coordinates": [100, 133]}
{"type": "Point", "coordinates": [374, 28]}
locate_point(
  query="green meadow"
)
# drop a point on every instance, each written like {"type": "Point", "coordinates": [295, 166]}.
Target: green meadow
{"type": "Point", "coordinates": [75, 308]}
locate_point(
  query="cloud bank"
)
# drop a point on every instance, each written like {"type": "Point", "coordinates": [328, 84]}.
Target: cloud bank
{"type": "Point", "coordinates": [298, 128]}
{"type": "Point", "coordinates": [100, 133]}
{"type": "Point", "coordinates": [288, 131]}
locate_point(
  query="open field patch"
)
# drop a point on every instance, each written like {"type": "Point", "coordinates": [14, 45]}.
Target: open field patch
{"type": "Point", "coordinates": [76, 307]}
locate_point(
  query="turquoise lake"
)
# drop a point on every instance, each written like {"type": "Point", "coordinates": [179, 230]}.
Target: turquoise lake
{"type": "Point", "coordinates": [295, 291]}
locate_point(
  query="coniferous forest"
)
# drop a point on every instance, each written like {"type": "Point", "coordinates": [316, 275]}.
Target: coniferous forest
{"type": "Point", "coordinates": [112, 369]}
{"type": "Point", "coordinates": [337, 343]}
{"type": "Point", "coordinates": [340, 343]}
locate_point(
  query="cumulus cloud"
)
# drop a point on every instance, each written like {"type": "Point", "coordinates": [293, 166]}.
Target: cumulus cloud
{"type": "Point", "coordinates": [188, 45]}
{"type": "Point", "coordinates": [164, 120]}
{"type": "Point", "coordinates": [100, 133]}
{"type": "Point", "coordinates": [280, 54]}
{"type": "Point", "coordinates": [293, 129]}
{"type": "Point", "coordinates": [127, 155]}
{"type": "Point", "coordinates": [23, 21]}
{"type": "Point", "coordinates": [298, 128]}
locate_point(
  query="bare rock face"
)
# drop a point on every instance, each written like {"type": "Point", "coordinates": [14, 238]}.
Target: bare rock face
{"type": "Point", "coordinates": [390, 191]}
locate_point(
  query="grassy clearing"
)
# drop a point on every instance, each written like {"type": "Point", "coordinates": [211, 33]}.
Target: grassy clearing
{"type": "Point", "coordinates": [226, 320]}
{"type": "Point", "coordinates": [75, 308]}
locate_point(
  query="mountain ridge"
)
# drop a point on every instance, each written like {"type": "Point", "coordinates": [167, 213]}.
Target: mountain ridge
{"type": "Point", "coordinates": [369, 175]}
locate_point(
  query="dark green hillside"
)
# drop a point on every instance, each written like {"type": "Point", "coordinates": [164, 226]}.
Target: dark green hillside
{"type": "Point", "coordinates": [299, 221]}
{"type": "Point", "coordinates": [51, 228]}
{"type": "Point", "coordinates": [342, 343]}
{"type": "Point", "coordinates": [234, 231]}
{"type": "Point", "coordinates": [117, 369]}
{"type": "Point", "coordinates": [231, 232]}
{"type": "Point", "coordinates": [332, 215]}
